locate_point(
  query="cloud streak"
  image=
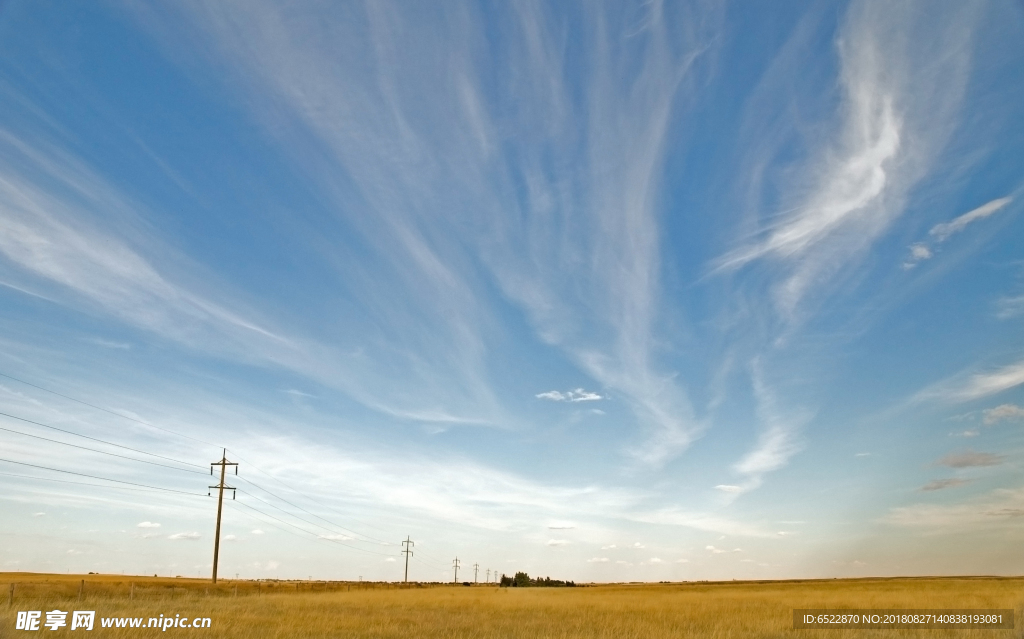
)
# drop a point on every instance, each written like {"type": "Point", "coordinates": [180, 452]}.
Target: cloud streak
{"type": "Point", "coordinates": [899, 99]}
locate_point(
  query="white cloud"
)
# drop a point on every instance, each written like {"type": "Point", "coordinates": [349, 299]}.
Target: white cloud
{"type": "Point", "coordinates": [638, 545]}
{"type": "Point", "coordinates": [900, 97]}
{"type": "Point", "coordinates": [390, 559]}
{"type": "Point", "coordinates": [336, 537]}
{"type": "Point", "coordinates": [230, 538]}
{"type": "Point", "coordinates": [654, 560]}
{"type": "Point", "coordinates": [558, 542]}
{"type": "Point", "coordinates": [147, 524]}
{"type": "Point", "coordinates": [598, 560]}
{"type": "Point", "coordinates": [1003, 412]}
{"type": "Point", "coordinates": [682, 561]}
{"type": "Point", "coordinates": [554, 396]}
{"type": "Point", "coordinates": [713, 550]}
{"type": "Point", "coordinates": [976, 386]}
{"type": "Point", "coordinates": [729, 488]}
{"type": "Point", "coordinates": [578, 395]}
{"type": "Point", "coordinates": [862, 454]}
{"type": "Point", "coordinates": [608, 547]}
{"type": "Point", "coordinates": [257, 532]}
{"type": "Point", "coordinates": [191, 536]}
{"type": "Point", "coordinates": [941, 232]}
{"type": "Point", "coordinates": [38, 514]}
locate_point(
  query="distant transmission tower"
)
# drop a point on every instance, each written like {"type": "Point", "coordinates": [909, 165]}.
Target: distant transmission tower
{"type": "Point", "coordinates": [476, 570]}
{"type": "Point", "coordinates": [223, 463]}
{"type": "Point", "coordinates": [488, 575]}
{"type": "Point", "coordinates": [408, 543]}
{"type": "Point", "coordinates": [456, 565]}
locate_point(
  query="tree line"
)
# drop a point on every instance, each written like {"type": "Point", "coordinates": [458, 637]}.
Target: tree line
{"type": "Point", "coordinates": [523, 580]}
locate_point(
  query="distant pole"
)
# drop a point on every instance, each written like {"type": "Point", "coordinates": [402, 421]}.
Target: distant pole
{"type": "Point", "coordinates": [456, 565]}
{"type": "Point", "coordinates": [408, 543]}
{"type": "Point", "coordinates": [476, 570]}
{"type": "Point", "coordinates": [223, 463]}
{"type": "Point", "coordinates": [488, 575]}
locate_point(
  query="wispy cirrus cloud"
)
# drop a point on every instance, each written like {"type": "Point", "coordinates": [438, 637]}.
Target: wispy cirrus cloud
{"type": "Point", "coordinates": [899, 99]}
{"type": "Point", "coordinates": [968, 386]}
{"type": "Point", "coordinates": [578, 250]}
{"type": "Point", "coordinates": [942, 232]}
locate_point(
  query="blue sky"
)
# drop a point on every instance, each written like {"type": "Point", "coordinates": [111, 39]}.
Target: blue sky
{"type": "Point", "coordinates": [619, 291]}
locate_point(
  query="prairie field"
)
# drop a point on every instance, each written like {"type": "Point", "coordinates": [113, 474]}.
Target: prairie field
{"type": "Point", "coordinates": [248, 609]}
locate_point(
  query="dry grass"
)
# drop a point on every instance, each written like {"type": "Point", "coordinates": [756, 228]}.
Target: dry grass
{"type": "Point", "coordinates": [734, 609]}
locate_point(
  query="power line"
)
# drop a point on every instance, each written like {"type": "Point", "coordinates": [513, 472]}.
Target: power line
{"type": "Point", "coordinates": [336, 525]}
{"type": "Point", "coordinates": [316, 536]}
{"type": "Point", "coordinates": [82, 483]}
{"type": "Point", "coordinates": [311, 523]}
{"type": "Point", "coordinates": [280, 481]}
{"type": "Point", "coordinates": [105, 410]}
{"type": "Point", "coordinates": [57, 470]}
{"type": "Point", "coordinates": [95, 439]}
{"type": "Point", "coordinates": [102, 452]}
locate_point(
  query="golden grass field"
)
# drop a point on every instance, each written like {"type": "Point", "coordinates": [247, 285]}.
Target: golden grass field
{"type": "Point", "coordinates": [623, 611]}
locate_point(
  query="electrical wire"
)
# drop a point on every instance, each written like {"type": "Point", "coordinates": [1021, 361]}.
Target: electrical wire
{"type": "Point", "coordinates": [150, 425]}
{"type": "Point", "coordinates": [294, 490]}
{"type": "Point", "coordinates": [105, 410]}
{"type": "Point", "coordinates": [336, 525]}
{"type": "Point", "coordinates": [134, 450]}
{"type": "Point", "coordinates": [58, 470]}
{"type": "Point", "coordinates": [287, 523]}
{"type": "Point", "coordinates": [311, 523]}
{"type": "Point", "coordinates": [82, 483]}
{"type": "Point", "coordinates": [102, 452]}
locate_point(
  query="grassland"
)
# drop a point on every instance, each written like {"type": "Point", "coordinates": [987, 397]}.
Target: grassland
{"type": "Point", "coordinates": [640, 611]}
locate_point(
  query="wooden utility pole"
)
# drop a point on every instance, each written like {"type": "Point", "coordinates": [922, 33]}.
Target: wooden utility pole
{"type": "Point", "coordinates": [408, 543]}
{"type": "Point", "coordinates": [223, 463]}
{"type": "Point", "coordinates": [456, 565]}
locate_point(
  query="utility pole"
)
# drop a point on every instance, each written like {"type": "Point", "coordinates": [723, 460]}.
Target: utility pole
{"type": "Point", "coordinates": [456, 565]}
{"type": "Point", "coordinates": [488, 575]}
{"type": "Point", "coordinates": [408, 543]}
{"type": "Point", "coordinates": [476, 570]}
{"type": "Point", "coordinates": [223, 463]}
